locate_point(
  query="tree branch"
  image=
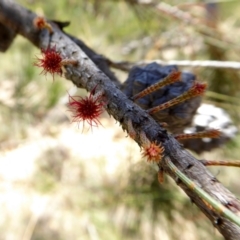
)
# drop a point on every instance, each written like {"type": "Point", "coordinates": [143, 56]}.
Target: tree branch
{"type": "Point", "coordinates": [126, 66]}
{"type": "Point", "coordinates": [88, 75]}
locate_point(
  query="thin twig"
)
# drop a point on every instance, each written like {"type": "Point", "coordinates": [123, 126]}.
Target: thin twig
{"type": "Point", "coordinates": [210, 202]}
{"type": "Point", "coordinates": [228, 163]}
{"type": "Point", "coordinates": [126, 66]}
{"type": "Point", "coordinates": [210, 34]}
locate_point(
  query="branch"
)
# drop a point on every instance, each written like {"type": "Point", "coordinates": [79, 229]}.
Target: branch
{"type": "Point", "coordinates": [126, 66]}
{"type": "Point", "coordinates": [86, 74]}
{"type": "Point", "coordinates": [213, 203]}
{"type": "Point", "coordinates": [228, 163]}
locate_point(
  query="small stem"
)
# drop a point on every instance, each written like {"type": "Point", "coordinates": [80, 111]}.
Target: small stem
{"type": "Point", "coordinates": [160, 175]}
{"type": "Point", "coordinates": [212, 133]}
{"type": "Point", "coordinates": [49, 28]}
{"type": "Point", "coordinates": [196, 90]}
{"type": "Point", "coordinates": [171, 78]}
{"type": "Point", "coordinates": [131, 132]}
{"type": "Point", "coordinates": [210, 202]}
{"type": "Point", "coordinates": [230, 163]}
{"type": "Point", "coordinates": [65, 62]}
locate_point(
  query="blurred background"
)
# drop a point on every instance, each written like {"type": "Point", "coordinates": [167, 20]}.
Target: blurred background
{"type": "Point", "coordinates": [60, 182]}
